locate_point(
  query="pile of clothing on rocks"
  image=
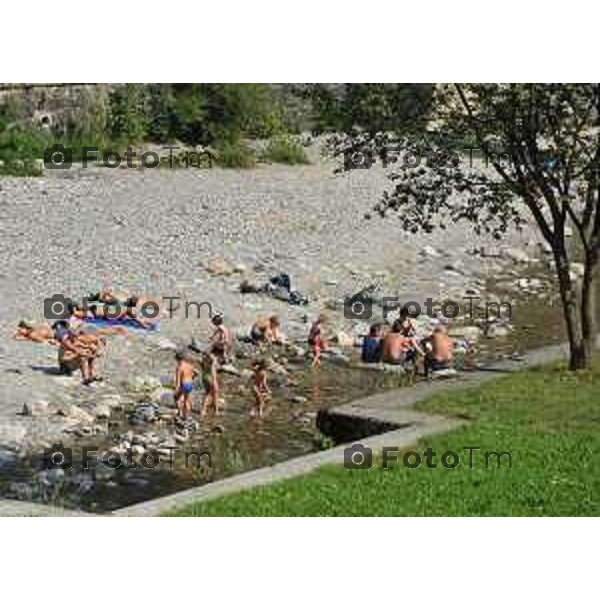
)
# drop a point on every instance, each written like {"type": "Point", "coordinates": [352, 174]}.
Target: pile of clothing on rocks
{"type": "Point", "coordinates": [279, 286]}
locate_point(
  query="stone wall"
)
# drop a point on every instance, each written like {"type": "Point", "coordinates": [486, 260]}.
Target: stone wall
{"type": "Point", "coordinates": [49, 103]}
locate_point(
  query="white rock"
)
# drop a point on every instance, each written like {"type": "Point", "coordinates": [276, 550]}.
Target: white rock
{"type": "Point", "coordinates": [299, 399]}
{"type": "Point", "coordinates": [219, 267]}
{"type": "Point", "coordinates": [497, 331]}
{"type": "Point", "coordinates": [429, 251]}
{"type": "Point", "coordinates": [138, 450]}
{"type": "Point", "coordinates": [75, 414]}
{"type": "Point", "coordinates": [36, 409]}
{"type": "Point", "coordinates": [343, 339]}
{"type": "Point", "coordinates": [577, 270]}
{"type": "Point", "coordinates": [101, 411]}
{"type": "Point", "coordinates": [468, 332]}
{"type": "Point", "coordinates": [516, 255]}
{"type": "Point", "coordinates": [490, 252]}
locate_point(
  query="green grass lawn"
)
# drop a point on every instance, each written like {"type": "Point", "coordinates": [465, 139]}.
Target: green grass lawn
{"type": "Point", "coordinates": [548, 419]}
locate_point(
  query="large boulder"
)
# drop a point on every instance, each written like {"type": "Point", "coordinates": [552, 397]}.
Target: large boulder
{"type": "Point", "coordinates": [343, 339]}
{"type": "Point", "coordinates": [577, 270]}
{"type": "Point", "coordinates": [468, 332]}
{"type": "Point", "coordinates": [37, 408]}
{"type": "Point", "coordinates": [219, 267]}
{"type": "Point", "coordinates": [74, 414]}
{"type": "Point", "coordinates": [516, 255]}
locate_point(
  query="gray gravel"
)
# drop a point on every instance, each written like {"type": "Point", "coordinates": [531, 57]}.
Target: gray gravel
{"type": "Point", "coordinates": [159, 230]}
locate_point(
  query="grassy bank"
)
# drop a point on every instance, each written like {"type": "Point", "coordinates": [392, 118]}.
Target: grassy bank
{"type": "Point", "coordinates": [548, 419]}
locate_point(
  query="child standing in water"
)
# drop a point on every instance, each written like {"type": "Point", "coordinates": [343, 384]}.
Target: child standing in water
{"type": "Point", "coordinates": [184, 374]}
{"type": "Point", "coordinates": [220, 339]}
{"type": "Point", "coordinates": [210, 383]}
{"type": "Point", "coordinates": [316, 339]}
{"type": "Point", "coordinates": [260, 388]}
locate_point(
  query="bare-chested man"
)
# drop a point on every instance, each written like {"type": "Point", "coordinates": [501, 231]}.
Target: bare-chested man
{"type": "Point", "coordinates": [395, 346]}
{"type": "Point", "coordinates": [442, 350]}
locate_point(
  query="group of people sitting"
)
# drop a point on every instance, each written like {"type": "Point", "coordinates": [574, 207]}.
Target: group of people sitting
{"type": "Point", "coordinates": [400, 345]}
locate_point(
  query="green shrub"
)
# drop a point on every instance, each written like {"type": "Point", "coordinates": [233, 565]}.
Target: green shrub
{"type": "Point", "coordinates": [285, 150]}
{"type": "Point", "coordinates": [235, 156]}
{"type": "Point", "coordinates": [21, 168]}
{"type": "Point", "coordinates": [128, 116]}
{"type": "Point", "coordinates": [22, 143]}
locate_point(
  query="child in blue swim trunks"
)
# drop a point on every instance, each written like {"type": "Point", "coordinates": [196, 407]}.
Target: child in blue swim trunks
{"type": "Point", "coordinates": [184, 385]}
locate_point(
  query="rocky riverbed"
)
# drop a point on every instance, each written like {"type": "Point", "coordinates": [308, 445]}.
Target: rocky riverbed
{"type": "Point", "coordinates": [199, 234]}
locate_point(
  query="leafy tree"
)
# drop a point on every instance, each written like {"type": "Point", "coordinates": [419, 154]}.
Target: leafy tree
{"type": "Point", "coordinates": [178, 112]}
{"type": "Point", "coordinates": [88, 125]}
{"type": "Point", "coordinates": [239, 109]}
{"type": "Point", "coordinates": [209, 113]}
{"type": "Point", "coordinates": [129, 119]}
{"type": "Point", "coordinates": [542, 142]}
{"type": "Point", "coordinates": [162, 119]}
{"type": "Point", "coordinates": [372, 107]}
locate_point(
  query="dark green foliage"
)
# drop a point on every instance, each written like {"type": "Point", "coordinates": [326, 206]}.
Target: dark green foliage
{"type": "Point", "coordinates": [20, 145]}
{"type": "Point", "coordinates": [218, 115]}
{"type": "Point", "coordinates": [129, 113]}
{"type": "Point", "coordinates": [283, 149]}
{"type": "Point", "coordinates": [241, 109]}
{"type": "Point", "coordinates": [204, 113]}
{"type": "Point", "coordinates": [190, 113]}
{"type": "Point", "coordinates": [372, 107]}
{"type": "Point", "coordinates": [235, 155]}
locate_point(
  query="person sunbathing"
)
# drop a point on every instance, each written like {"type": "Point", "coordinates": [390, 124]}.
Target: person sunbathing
{"type": "Point", "coordinates": [32, 332]}
{"type": "Point", "coordinates": [113, 311]}
{"type": "Point", "coordinates": [134, 300]}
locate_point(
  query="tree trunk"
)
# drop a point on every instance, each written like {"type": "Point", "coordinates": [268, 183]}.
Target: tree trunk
{"type": "Point", "coordinates": [580, 345]}
{"type": "Point", "coordinates": [588, 303]}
